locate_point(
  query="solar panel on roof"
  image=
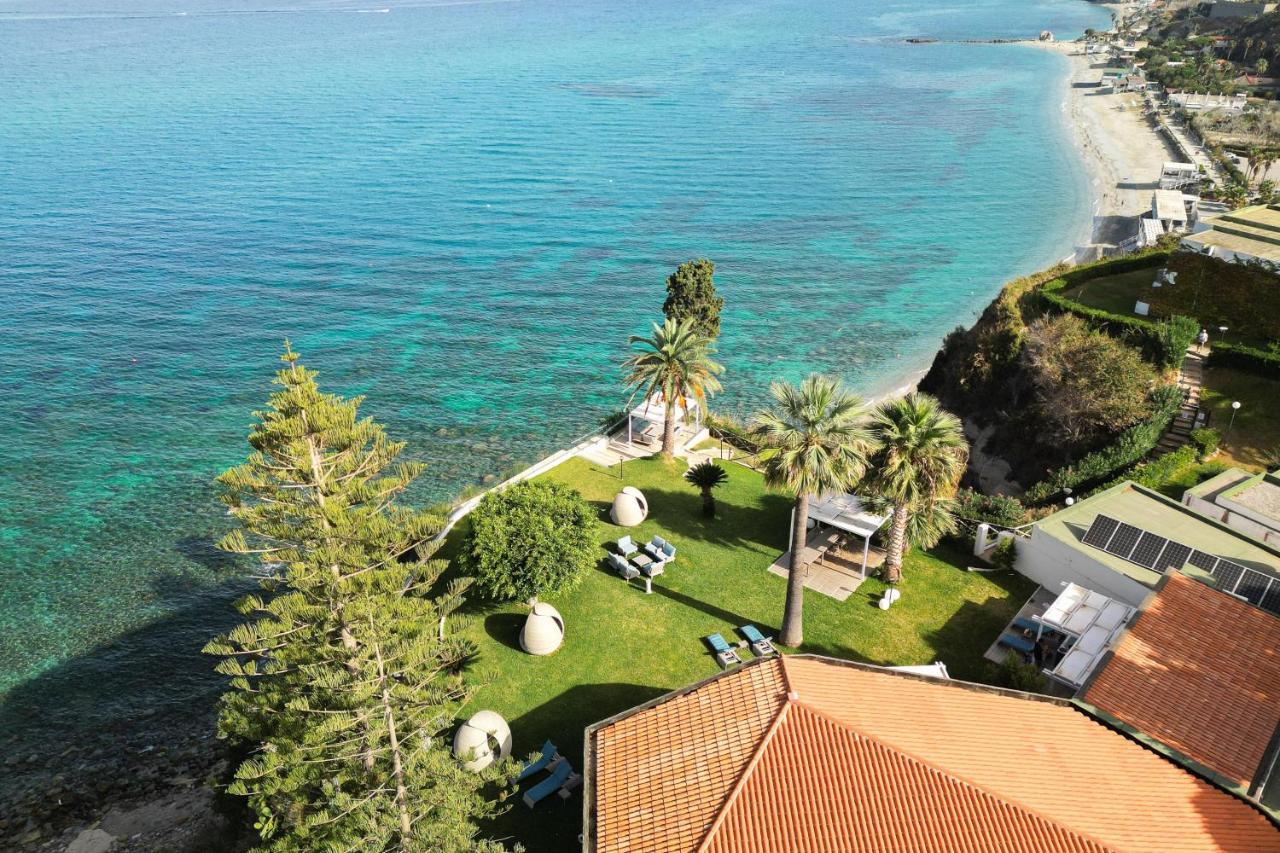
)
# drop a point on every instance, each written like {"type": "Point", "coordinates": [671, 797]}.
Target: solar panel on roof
{"type": "Point", "coordinates": [1100, 531]}
{"type": "Point", "coordinates": [1152, 551]}
{"type": "Point", "coordinates": [1148, 549]}
{"type": "Point", "coordinates": [1227, 574]}
{"type": "Point", "coordinates": [1204, 561]}
{"type": "Point", "coordinates": [1271, 601]}
{"type": "Point", "coordinates": [1252, 587]}
{"type": "Point", "coordinates": [1174, 557]}
{"type": "Point", "coordinates": [1122, 543]}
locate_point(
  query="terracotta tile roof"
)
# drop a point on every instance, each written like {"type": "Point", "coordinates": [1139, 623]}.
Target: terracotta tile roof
{"type": "Point", "coordinates": [1199, 671]}
{"type": "Point", "coordinates": [651, 797]}
{"type": "Point", "coordinates": [831, 755]}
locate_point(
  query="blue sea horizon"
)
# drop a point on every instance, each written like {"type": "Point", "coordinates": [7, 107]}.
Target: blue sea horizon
{"type": "Point", "coordinates": [461, 211]}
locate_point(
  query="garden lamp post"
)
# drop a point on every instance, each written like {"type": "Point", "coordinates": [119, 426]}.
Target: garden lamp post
{"type": "Point", "coordinates": [1235, 407]}
{"type": "Point", "coordinates": [1222, 333]}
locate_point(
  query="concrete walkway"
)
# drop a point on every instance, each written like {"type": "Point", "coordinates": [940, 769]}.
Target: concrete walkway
{"type": "Point", "coordinates": [1190, 381]}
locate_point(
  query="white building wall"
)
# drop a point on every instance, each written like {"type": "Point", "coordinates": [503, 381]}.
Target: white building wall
{"type": "Point", "coordinates": [1053, 563]}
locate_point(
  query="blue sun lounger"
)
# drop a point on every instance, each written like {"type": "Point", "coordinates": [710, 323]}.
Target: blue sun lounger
{"type": "Point", "coordinates": [549, 754]}
{"type": "Point", "coordinates": [1013, 641]}
{"type": "Point", "coordinates": [760, 644]}
{"type": "Point", "coordinates": [725, 655]}
{"type": "Point", "coordinates": [548, 786]}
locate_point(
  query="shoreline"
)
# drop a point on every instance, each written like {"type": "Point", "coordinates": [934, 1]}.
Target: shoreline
{"type": "Point", "coordinates": [1120, 151]}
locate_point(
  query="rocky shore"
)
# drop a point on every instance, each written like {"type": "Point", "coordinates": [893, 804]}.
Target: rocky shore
{"type": "Point", "coordinates": [147, 784]}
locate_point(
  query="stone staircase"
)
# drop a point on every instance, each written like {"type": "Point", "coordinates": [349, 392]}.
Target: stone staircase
{"type": "Point", "coordinates": [1190, 380]}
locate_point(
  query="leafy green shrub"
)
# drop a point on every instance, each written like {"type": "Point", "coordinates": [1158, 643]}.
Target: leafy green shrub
{"type": "Point", "coordinates": [730, 431]}
{"type": "Point", "coordinates": [1176, 335]}
{"type": "Point", "coordinates": [1000, 510]}
{"type": "Point", "coordinates": [1206, 441]}
{"type": "Point", "coordinates": [1005, 555]}
{"type": "Point", "coordinates": [532, 539]}
{"type": "Point", "coordinates": [1016, 674]}
{"type": "Point", "coordinates": [1132, 445]}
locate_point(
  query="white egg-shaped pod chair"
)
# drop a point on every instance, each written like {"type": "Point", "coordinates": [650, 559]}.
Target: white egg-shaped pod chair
{"type": "Point", "coordinates": [629, 507]}
{"type": "Point", "coordinates": [476, 740]}
{"type": "Point", "coordinates": [543, 630]}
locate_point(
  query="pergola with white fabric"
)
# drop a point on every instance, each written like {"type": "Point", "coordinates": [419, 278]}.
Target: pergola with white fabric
{"type": "Point", "coordinates": [651, 414]}
{"type": "Point", "coordinates": [1092, 621]}
{"type": "Point", "coordinates": [845, 512]}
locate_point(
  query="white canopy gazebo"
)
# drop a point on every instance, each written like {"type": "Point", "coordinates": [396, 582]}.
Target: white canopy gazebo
{"type": "Point", "coordinates": [847, 513]}
{"type": "Point", "coordinates": [647, 418]}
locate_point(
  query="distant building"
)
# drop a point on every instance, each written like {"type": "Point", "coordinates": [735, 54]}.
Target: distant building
{"type": "Point", "coordinates": [1197, 101]}
{"type": "Point", "coordinates": [1122, 542]}
{"type": "Point", "coordinates": [1250, 234]}
{"type": "Point", "coordinates": [1239, 9]}
{"type": "Point", "coordinates": [1175, 176]}
{"type": "Point", "coordinates": [1241, 500]}
{"type": "Point", "coordinates": [1174, 209]}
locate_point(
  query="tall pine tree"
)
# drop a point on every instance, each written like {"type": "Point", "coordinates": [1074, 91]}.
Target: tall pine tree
{"type": "Point", "coordinates": [348, 672]}
{"type": "Point", "coordinates": [691, 295]}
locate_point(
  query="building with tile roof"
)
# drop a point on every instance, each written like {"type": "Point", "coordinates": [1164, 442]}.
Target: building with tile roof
{"type": "Point", "coordinates": [1056, 552]}
{"type": "Point", "coordinates": [806, 753]}
{"type": "Point", "coordinates": [1199, 671]}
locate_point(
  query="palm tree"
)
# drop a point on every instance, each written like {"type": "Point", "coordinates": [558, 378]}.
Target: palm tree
{"type": "Point", "coordinates": [707, 476]}
{"type": "Point", "coordinates": [820, 444]}
{"type": "Point", "coordinates": [675, 363]}
{"type": "Point", "coordinates": [920, 455]}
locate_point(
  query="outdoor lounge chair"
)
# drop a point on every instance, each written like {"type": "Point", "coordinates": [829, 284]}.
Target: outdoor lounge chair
{"type": "Point", "coordinates": [549, 785]}
{"type": "Point", "coordinates": [1021, 644]}
{"type": "Point", "coordinates": [760, 644]}
{"type": "Point", "coordinates": [725, 655]}
{"type": "Point", "coordinates": [660, 550]}
{"type": "Point", "coordinates": [626, 547]}
{"type": "Point", "coordinates": [623, 567]}
{"type": "Point", "coordinates": [1032, 626]}
{"type": "Point", "coordinates": [549, 754]}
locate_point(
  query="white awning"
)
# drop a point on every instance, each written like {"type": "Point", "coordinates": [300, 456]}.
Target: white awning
{"type": "Point", "coordinates": [654, 409]}
{"type": "Point", "coordinates": [1093, 621]}
{"type": "Point", "coordinates": [846, 513]}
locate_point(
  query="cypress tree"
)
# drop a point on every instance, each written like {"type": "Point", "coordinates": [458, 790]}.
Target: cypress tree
{"type": "Point", "coordinates": [350, 667]}
{"type": "Point", "coordinates": [691, 295]}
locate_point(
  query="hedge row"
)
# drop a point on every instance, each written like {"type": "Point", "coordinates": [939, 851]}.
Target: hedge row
{"type": "Point", "coordinates": [1132, 445]}
{"type": "Point", "coordinates": [727, 430]}
{"type": "Point", "coordinates": [1248, 359]}
{"type": "Point", "coordinates": [1162, 343]}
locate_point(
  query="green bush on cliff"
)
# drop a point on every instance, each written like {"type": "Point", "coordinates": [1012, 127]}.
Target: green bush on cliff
{"type": "Point", "coordinates": [1132, 445]}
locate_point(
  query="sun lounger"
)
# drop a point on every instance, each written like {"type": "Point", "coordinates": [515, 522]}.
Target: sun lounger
{"type": "Point", "coordinates": [626, 547]}
{"type": "Point", "coordinates": [1025, 624]}
{"type": "Point", "coordinates": [1013, 641]}
{"type": "Point", "coordinates": [549, 785]}
{"type": "Point", "coordinates": [725, 655]}
{"type": "Point", "coordinates": [760, 644]}
{"type": "Point", "coordinates": [549, 754]}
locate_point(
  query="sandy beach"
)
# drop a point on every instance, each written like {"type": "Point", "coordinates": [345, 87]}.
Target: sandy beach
{"type": "Point", "coordinates": [1121, 149]}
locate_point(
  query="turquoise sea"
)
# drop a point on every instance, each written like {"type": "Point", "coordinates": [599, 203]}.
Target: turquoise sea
{"type": "Point", "coordinates": [460, 210]}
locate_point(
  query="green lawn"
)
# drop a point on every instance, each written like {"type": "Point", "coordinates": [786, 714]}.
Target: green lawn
{"type": "Point", "coordinates": [623, 647]}
{"type": "Point", "coordinates": [1257, 425]}
{"type": "Point", "coordinates": [1115, 293]}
